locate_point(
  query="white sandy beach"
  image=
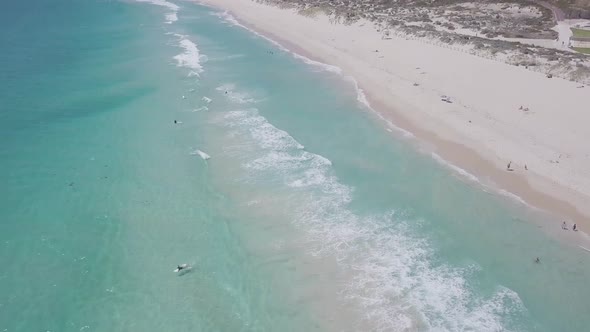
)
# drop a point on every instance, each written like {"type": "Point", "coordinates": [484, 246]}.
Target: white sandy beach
{"type": "Point", "coordinates": [482, 129]}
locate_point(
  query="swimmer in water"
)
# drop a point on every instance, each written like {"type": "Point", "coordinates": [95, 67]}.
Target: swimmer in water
{"type": "Point", "coordinates": [180, 267]}
{"type": "Point", "coordinates": [537, 260]}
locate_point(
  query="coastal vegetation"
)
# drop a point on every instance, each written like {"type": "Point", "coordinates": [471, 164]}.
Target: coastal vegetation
{"type": "Point", "coordinates": [518, 32]}
{"type": "Point", "coordinates": [581, 33]}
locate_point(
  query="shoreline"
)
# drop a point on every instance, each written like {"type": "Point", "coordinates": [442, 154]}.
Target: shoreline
{"type": "Point", "coordinates": [534, 190]}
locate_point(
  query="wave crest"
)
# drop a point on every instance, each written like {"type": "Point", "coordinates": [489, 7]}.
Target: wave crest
{"type": "Point", "coordinates": [191, 57]}
{"type": "Point", "coordinates": [396, 280]}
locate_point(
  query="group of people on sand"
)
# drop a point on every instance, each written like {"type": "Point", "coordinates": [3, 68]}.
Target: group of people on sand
{"type": "Point", "coordinates": [564, 227]}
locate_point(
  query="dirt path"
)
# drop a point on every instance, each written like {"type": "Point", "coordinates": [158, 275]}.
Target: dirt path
{"type": "Point", "coordinates": [558, 14]}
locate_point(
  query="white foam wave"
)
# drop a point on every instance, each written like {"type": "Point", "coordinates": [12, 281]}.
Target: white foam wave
{"type": "Point", "coordinates": [206, 99]}
{"type": "Point", "coordinates": [395, 278]}
{"type": "Point", "coordinates": [162, 3]}
{"type": "Point", "coordinates": [475, 179]}
{"type": "Point", "coordinates": [361, 97]}
{"type": "Point", "coordinates": [227, 57]}
{"type": "Point", "coordinates": [239, 97]}
{"type": "Point", "coordinates": [284, 161]}
{"type": "Point", "coordinates": [226, 87]}
{"type": "Point", "coordinates": [454, 168]}
{"type": "Point", "coordinates": [170, 17]}
{"type": "Point", "coordinates": [268, 136]}
{"type": "Point", "coordinates": [201, 154]}
{"type": "Point", "coordinates": [253, 202]}
{"type": "Point", "coordinates": [392, 127]}
{"type": "Point", "coordinates": [190, 58]}
{"type": "Point", "coordinates": [226, 16]}
{"type": "Point", "coordinates": [202, 108]}
{"type": "Point", "coordinates": [514, 197]}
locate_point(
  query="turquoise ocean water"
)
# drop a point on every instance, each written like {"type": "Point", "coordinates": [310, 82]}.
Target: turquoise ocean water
{"type": "Point", "coordinates": [296, 206]}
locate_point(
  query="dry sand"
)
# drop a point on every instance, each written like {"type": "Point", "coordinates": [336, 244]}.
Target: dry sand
{"type": "Point", "coordinates": [482, 129]}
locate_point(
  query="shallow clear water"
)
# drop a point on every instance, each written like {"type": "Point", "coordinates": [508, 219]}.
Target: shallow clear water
{"type": "Point", "coordinates": [309, 214]}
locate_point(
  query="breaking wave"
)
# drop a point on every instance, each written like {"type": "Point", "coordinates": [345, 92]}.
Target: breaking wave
{"type": "Point", "coordinates": [170, 17]}
{"type": "Point", "coordinates": [396, 280]}
{"type": "Point", "coordinates": [191, 57]}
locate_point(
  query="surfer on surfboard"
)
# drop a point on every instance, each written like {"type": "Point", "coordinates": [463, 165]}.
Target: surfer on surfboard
{"type": "Point", "coordinates": [182, 267]}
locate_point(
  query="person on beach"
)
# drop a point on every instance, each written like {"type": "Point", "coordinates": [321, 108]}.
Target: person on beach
{"type": "Point", "coordinates": [564, 226]}
{"type": "Point", "coordinates": [575, 228]}
{"type": "Point", "coordinates": [508, 166]}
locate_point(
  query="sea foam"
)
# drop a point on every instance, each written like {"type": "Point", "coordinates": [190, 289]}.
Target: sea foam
{"type": "Point", "coordinates": [239, 97]}
{"type": "Point", "coordinates": [394, 278]}
{"type": "Point", "coordinates": [476, 180]}
{"type": "Point", "coordinates": [202, 108]}
{"type": "Point", "coordinates": [190, 58]}
{"type": "Point", "coordinates": [227, 17]}
{"type": "Point", "coordinates": [361, 96]}
{"type": "Point", "coordinates": [170, 17]}
{"type": "Point", "coordinates": [201, 154]}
